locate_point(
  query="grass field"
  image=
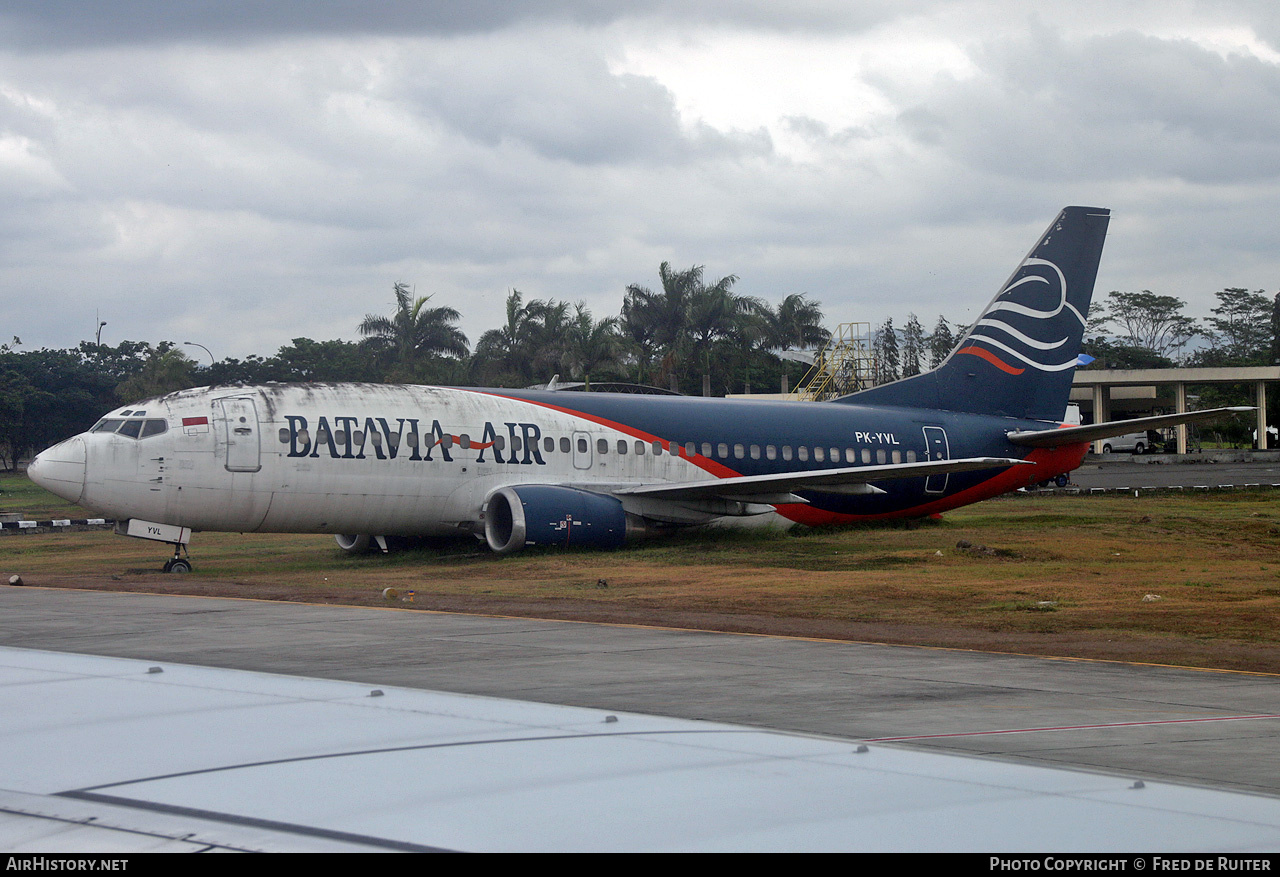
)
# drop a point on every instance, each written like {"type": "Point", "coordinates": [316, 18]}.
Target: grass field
{"type": "Point", "coordinates": [1178, 579]}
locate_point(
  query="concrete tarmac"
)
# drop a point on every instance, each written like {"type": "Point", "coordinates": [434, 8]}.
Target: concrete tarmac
{"type": "Point", "coordinates": [1208, 728]}
{"type": "Point", "coordinates": [1189, 472]}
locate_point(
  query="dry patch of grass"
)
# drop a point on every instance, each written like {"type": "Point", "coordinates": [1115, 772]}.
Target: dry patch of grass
{"type": "Point", "coordinates": [1173, 579]}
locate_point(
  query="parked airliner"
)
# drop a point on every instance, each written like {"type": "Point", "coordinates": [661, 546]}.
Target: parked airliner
{"type": "Point", "coordinates": [529, 467]}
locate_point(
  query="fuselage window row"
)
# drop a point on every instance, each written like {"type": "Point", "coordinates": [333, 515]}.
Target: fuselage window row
{"type": "Point", "coordinates": [722, 450]}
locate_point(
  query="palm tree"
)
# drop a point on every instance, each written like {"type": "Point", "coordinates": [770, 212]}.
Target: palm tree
{"type": "Point", "coordinates": [415, 332]}
{"type": "Point", "coordinates": [590, 345]}
{"type": "Point", "coordinates": [797, 323]}
{"type": "Point", "coordinates": [165, 370]}
{"type": "Point", "coordinates": [683, 318]}
{"type": "Point", "coordinates": [527, 345]}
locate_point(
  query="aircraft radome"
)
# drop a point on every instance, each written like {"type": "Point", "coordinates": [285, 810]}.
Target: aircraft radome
{"type": "Point", "coordinates": [536, 467]}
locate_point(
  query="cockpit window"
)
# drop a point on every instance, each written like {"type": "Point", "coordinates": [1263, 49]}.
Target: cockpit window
{"type": "Point", "coordinates": [153, 427]}
{"type": "Point", "coordinates": [134, 428]}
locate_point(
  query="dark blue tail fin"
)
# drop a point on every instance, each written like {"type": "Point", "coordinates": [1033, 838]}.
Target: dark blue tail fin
{"type": "Point", "coordinates": [1018, 359]}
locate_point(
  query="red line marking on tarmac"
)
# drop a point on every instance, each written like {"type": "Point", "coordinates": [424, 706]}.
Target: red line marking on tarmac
{"type": "Point", "coordinates": [1071, 728]}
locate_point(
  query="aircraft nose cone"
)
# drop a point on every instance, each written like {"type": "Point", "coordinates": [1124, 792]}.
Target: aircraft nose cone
{"type": "Point", "coordinates": [60, 469]}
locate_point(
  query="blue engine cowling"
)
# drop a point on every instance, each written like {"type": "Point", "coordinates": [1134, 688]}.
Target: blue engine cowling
{"type": "Point", "coordinates": [543, 514]}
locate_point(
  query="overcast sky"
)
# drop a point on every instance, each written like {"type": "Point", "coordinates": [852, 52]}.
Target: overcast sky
{"type": "Point", "coordinates": [241, 174]}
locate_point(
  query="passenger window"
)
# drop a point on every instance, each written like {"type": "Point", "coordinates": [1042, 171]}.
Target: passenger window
{"type": "Point", "coordinates": [131, 428]}
{"type": "Point", "coordinates": [340, 436]}
{"type": "Point", "coordinates": [911, 456]}
{"type": "Point", "coordinates": [564, 444]}
{"type": "Point", "coordinates": [376, 438]}
{"type": "Point", "coordinates": [802, 452]}
{"type": "Point", "coordinates": [739, 452]}
{"type": "Point", "coordinates": [850, 455]}
{"type": "Point", "coordinates": [786, 452]}
{"type": "Point", "coordinates": [622, 446]}
{"type": "Point", "coordinates": [835, 455]}
{"type": "Point", "coordinates": [770, 452]}
{"type": "Point", "coordinates": [706, 449]}
{"type": "Point", "coordinates": [602, 446]}
{"type": "Point", "coordinates": [866, 455]}
{"type": "Point", "coordinates": [464, 442]}
{"type": "Point", "coordinates": [690, 449]}
{"type": "Point", "coordinates": [755, 452]}
{"type": "Point", "coordinates": [548, 444]}
{"type": "Point", "coordinates": [880, 456]}
{"type": "Point", "coordinates": [657, 449]}
{"type": "Point", "coordinates": [582, 445]}
{"type": "Point", "coordinates": [357, 437]}
{"type": "Point", "coordinates": [897, 456]}
{"type": "Point", "coordinates": [639, 448]}
{"type": "Point", "coordinates": [446, 442]}
{"type": "Point", "coordinates": [516, 444]}
{"type": "Point", "coordinates": [284, 436]}
{"type": "Point", "coordinates": [499, 442]}
{"type": "Point", "coordinates": [722, 451]}
{"type": "Point", "coordinates": [819, 455]}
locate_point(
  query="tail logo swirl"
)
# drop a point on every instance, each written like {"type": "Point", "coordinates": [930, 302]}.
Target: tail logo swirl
{"type": "Point", "coordinates": [1024, 320]}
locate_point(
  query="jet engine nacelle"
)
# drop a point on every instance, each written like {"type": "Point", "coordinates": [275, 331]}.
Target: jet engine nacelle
{"type": "Point", "coordinates": [359, 543]}
{"type": "Point", "coordinates": [353, 542]}
{"type": "Point", "coordinates": [543, 514]}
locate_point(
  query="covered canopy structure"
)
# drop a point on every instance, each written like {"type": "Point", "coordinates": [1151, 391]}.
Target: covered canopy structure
{"type": "Point", "coordinates": [1100, 382]}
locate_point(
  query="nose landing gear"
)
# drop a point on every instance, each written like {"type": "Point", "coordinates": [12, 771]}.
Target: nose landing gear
{"type": "Point", "coordinates": [178, 563]}
{"type": "Point", "coordinates": [171, 534]}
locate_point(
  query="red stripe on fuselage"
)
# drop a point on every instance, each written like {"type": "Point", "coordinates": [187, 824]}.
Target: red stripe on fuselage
{"type": "Point", "coordinates": [717, 469]}
{"type": "Point", "coordinates": [1049, 463]}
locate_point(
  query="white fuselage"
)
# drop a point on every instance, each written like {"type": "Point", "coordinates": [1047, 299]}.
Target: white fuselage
{"type": "Point", "coordinates": [343, 458]}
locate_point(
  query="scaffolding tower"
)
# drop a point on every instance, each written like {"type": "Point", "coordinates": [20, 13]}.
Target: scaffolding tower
{"type": "Point", "coordinates": [846, 365]}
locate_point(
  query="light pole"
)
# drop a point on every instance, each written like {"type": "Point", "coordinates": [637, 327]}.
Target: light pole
{"type": "Point", "coordinates": [202, 347]}
{"type": "Point", "coordinates": [98, 340]}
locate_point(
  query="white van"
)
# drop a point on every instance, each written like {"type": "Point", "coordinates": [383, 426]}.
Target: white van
{"type": "Point", "coordinates": [1134, 442]}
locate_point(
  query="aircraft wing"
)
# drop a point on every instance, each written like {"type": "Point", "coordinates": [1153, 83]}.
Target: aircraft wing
{"type": "Point", "coordinates": [1070, 435]}
{"type": "Point", "coordinates": [778, 487]}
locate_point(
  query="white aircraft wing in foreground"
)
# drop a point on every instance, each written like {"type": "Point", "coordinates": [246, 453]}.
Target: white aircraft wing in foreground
{"type": "Point", "coordinates": [113, 755]}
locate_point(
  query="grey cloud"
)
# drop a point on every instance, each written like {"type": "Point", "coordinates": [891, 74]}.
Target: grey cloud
{"type": "Point", "coordinates": [1045, 106]}
{"type": "Point", "coordinates": [556, 96]}
{"type": "Point", "coordinates": [74, 23]}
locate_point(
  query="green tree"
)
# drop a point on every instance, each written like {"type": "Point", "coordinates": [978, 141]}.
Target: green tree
{"type": "Point", "coordinates": [913, 347]}
{"type": "Point", "coordinates": [885, 350]}
{"type": "Point", "coordinates": [165, 370]}
{"type": "Point", "coordinates": [1154, 322]}
{"type": "Point", "coordinates": [1275, 331]}
{"type": "Point", "coordinates": [941, 342]}
{"type": "Point", "coordinates": [681, 323]}
{"type": "Point", "coordinates": [47, 396]}
{"type": "Point", "coordinates": [414, 336]}
{"type": "Point", "coordinates": [529, 345]}
{"type": "Point", "coordinates": [1241, 331]}
{"type": "Point", "coordinates": [590, 345]}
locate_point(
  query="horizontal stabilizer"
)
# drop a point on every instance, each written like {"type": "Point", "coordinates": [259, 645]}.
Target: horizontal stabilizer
{"type": "Point", "coordinates": [1071, 435]}
{"type": "Point", "coordinates": [817, 480]}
